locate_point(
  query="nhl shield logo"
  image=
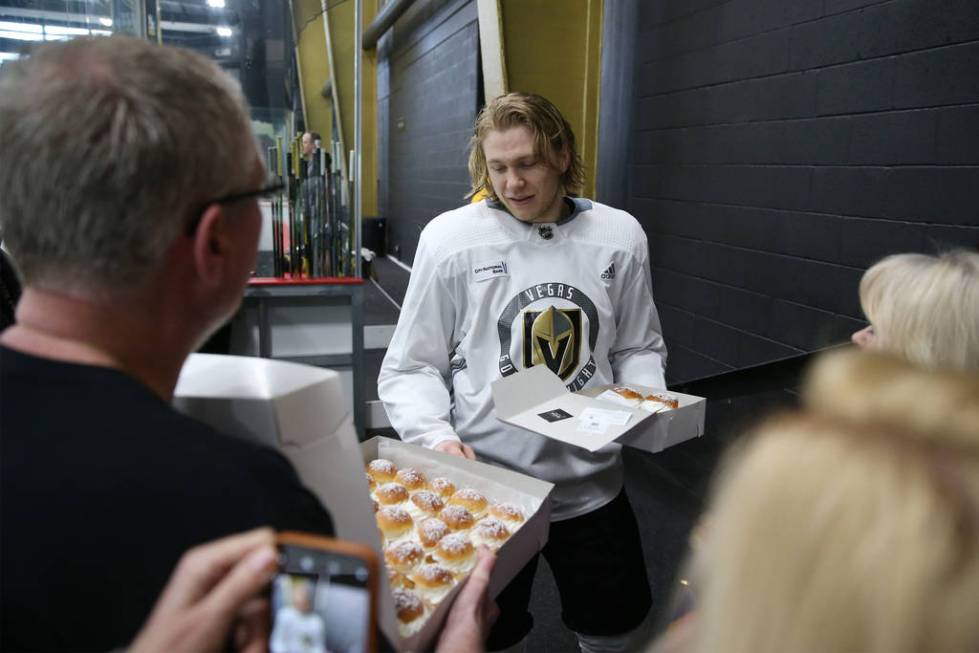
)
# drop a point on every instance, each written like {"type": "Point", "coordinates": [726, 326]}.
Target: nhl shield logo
{"type": "Point", "coordinates": [553, 338]}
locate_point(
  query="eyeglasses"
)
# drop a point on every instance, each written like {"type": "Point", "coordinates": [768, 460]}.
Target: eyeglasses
{"type": "Point", "coordinates": [265, 192]}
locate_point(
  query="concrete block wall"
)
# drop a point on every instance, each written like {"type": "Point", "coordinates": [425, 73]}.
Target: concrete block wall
{"type": "Point", "coordinates": [428, 94]}
{"type": "Point", "coordinates": [779, 147]}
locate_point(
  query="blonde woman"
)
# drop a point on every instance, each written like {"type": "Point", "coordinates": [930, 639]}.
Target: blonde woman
{"type": "Point", "coordinates": [924, 308]}
{"type": "Point", "coordinates": [850, 526]}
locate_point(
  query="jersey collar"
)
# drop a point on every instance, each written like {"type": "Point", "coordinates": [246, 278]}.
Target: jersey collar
{"type": "Point", "coordinates": [577, 205]}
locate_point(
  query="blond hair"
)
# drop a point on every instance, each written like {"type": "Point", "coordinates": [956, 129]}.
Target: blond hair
{"type": "Point", "coordinates": [553, 138]}
{"type": "Point", "coordinates": [926, 308]}
{"type": "Point", "coordinates": [852, 526]}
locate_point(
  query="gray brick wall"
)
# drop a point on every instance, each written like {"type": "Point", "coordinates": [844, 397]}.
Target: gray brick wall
{"type": "Point", "coordinates": [779, 147]}
{"type": "Point", "coordinates": [428, 95]}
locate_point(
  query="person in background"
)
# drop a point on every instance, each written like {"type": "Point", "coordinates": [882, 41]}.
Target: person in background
{"type": "Point", "coordinates": [313, 194]}
{"type": "Point", "coordinates": [852, 525]}
{"type": "Point", "coordinates": [924, 308]}
{"type": "Point", "coordinates": [129, 181]}
{"type": "Point", "coordinates": [534, 275]}
{"type": "Point", "coordinates": [310, 141]}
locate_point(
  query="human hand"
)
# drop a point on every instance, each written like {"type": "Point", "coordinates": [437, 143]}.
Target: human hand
{"type": "Point", "coordinates": [214, 588]}
{"type": "Point", "coordinates": [456, 448]}
{"type": "Point", "coordinates": [473, 613]}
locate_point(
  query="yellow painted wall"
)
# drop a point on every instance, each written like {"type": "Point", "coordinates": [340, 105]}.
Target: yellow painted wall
{"type": "Point", "coordinates": [553, 48]}
{"type": "Point", "coordinates": [314, 65]}
{"type": "Point", "coordinates": [341, 19]}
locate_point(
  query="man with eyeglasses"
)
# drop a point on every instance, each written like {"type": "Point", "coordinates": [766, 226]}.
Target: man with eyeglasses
{"type": "Point", "coordinates": [128, 199]}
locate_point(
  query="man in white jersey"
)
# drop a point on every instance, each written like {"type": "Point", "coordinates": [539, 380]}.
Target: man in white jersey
{"type": "Point", "coordinates": [534, 275]}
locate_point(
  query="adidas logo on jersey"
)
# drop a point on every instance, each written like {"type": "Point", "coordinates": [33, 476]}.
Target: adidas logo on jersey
{"type": "Point", "coordinates": [609, 272]}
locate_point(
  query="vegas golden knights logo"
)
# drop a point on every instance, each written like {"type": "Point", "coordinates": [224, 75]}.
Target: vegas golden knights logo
{"type": "Point", "coordinates": [553, 338]}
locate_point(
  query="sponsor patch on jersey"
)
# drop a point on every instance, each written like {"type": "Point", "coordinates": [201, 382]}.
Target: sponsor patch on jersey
{"type": "Point", "coordinates": [491, 270]}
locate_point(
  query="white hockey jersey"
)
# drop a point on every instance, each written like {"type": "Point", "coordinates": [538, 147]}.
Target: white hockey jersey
{"type": "Point", "coordinates": [489, 296]}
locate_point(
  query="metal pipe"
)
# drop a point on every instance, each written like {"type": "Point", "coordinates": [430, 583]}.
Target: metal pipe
{"type": "Point", "coordinates": [391, 12]}
{"type": "Point", "coordinates": [356, 303]}
{"type": "Point", "coordinates": [358, 137]}
{"type": "Point", "coordinates": [139, 16]}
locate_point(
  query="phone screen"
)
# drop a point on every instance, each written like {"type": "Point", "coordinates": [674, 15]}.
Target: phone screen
{"type": "Point", "coordinates": [320, 602]}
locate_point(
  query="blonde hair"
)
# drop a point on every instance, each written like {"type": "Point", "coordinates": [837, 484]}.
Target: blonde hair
{"type": "Point", "coordinates": [852, 526]}
{"type": "Point", "coordinates": [553, 137]}
{"type": "Point", "coordinates": [926, 308]}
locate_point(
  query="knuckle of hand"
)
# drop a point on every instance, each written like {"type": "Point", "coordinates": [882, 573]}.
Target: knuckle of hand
{"type": "Point", "coordinates": [200, 565]}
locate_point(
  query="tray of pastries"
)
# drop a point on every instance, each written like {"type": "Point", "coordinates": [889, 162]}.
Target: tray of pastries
{"type": "Point", "coordinates": [431, 524]}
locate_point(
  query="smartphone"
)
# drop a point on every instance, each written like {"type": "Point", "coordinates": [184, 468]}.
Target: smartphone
{"type": "Point", "coordinates": [324, 596]}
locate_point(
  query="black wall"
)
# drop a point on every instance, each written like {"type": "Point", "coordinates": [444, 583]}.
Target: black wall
{"type": "Point", "coordinates": [428, 95]}
{"type": "Point", "coordinates": [779, 147]}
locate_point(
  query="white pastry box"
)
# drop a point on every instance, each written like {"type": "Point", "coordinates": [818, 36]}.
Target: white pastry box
{"type": "Point", "coordinates": [498, 485]}
{"type": "Point", "coordinates": [537, 400]}
{"type": "Point", "coordinates": [298, 409]}
{"type": "Point", "coordinates": [301, 411]}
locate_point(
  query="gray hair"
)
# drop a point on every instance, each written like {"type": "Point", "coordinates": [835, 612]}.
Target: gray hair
{"type": "Point", "coordinates": [107, 147]}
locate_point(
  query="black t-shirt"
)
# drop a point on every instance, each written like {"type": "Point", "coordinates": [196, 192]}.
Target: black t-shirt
{"type": "Point", "coordinates": [102, 487]}
{"type": "Point", "coordinates": [9, 291]}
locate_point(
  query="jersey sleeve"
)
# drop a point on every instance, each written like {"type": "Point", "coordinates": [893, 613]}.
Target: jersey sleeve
{"type": "Point", "coordinates": [414, 378]}
{"type": "Point", "coordinates": [638, 354]}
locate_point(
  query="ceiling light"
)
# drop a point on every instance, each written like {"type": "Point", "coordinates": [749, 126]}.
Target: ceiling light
{"type": "Point", "coordinates": [224, 32]}
{"type": "Point", "coordinates": [215, 4]}
{"type": "Point", "coordinates": [21, 36]}
{"type": "Point", "coordinates": [106, 22]}
{"type": "Point", "coordinates": [11, 26]}
{"type": "Point", "coordinates": [59, 31]}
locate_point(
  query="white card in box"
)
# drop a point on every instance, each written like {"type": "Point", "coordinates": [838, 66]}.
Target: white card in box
{"type": "Point", "coordinates": [537, 400]}
{"type": "Point", "coordinates": [301, 411]}
{"type": "Point", "coordinates": [497, 484]}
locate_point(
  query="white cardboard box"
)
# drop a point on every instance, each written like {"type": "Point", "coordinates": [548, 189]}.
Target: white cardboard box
{"type": "Point", "coordinates": [525, 398]}
{"type": "Point", "coordinates": [495, 483]}
{"type": "Point", "coordinates": [298, 409]}
{"type": "Point", "coordinates": [301, 411]}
